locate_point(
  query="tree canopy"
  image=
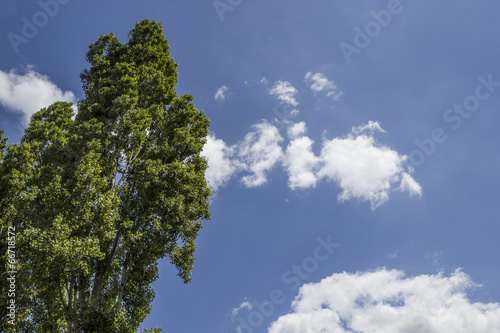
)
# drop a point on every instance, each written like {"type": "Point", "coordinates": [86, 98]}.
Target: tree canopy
{"type": "Point", "coordinates": [97, 197]}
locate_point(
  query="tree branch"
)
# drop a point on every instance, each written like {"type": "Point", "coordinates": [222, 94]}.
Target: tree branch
{"type": "Point", "coordinates": [129, 163]}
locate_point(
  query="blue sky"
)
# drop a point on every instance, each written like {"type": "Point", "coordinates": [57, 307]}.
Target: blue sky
{"type": "Point", "coordinates": [353, 154]}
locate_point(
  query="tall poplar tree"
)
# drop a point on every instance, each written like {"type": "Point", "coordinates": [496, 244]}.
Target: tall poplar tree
{"type": "Point", "coordinates": [95, 199]}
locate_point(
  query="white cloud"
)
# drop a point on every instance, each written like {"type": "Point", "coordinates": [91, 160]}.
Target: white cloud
{"type": "Point", "coordinates": [297, 130]}
{"type": "Point", "coordinates": [300, 161]}
{"type": "Point", "coordinates": [221, 93]}
{"type": "Point", "coordinates": [28, 93]}
{"type": "Point", "coordinates": [319, 82]}
{"type": "Point", "coordinates": [372, 126]}
{"type": "Point", "coordinates": [408, 184]}
{"type": "Point", "coordinates": [285, 92]}
{"type": "Point", "coordinates": [244, 305]}
{"type": "Point", "coordinates": [363, 168]}
{"type": "Point", "coordinates": [385, 301]}
{"type": "Point", "coordinates": [220, 165]}
{"type": "Point", "coordinates": [393, 255]}
{"type": "Point", "coordinates": [259, 152]}
{"type": "Point", "coordinates": [435, 257]}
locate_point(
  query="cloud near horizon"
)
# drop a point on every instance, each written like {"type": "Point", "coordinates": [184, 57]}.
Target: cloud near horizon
{"type": "Point", "coordinates": [385, 301]}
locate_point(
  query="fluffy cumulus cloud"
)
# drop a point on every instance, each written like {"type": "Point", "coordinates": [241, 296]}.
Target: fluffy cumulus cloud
{"type": "Point", "coordinates": [285, 92]}
{"type": "Point", "coordinates": [256, 154]}
{"type": "Point", "coordinates": [29, 92]}
{"type": "Point", "coordinates": [385, 301]}
{"type": "Point", "coordinates": [300, 161]}
{"type": "Point", "coordinates": [297, 130]}
{"type": "Point", "coordinates": [220, 165]}
{"type": "Point", "coordinates": [319, 82]}
{"type": "Point", "coordinates": [259, 152]}
{"type": "Point", "coordinates": [363, 168]}
{"type": "Point", "coordinates": [222, 93]}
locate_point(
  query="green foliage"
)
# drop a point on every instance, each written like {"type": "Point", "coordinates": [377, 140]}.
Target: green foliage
{"type": "Point", "coordinates": [97, 198]}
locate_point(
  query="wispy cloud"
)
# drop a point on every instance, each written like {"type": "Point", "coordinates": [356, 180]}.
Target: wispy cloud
{"type": "Point", "coordinates": [244, 305]}
{"type": "Point", "coordinates": [387, 301]}
{"type": "Point", "coordinates": [319, 82]}
{"type": "Point", "coordinates": [371, 126]}
{"type": "Point", "coordinates": [222, 93]}
{"type": "Point", "coordinates": [435, 257]}
{"type": "Point", "coordinates": [29, 92]}
{"type": "Point", "coordinates": [393, 255]}
{"type": "Point", "coordinates": [285, 92]}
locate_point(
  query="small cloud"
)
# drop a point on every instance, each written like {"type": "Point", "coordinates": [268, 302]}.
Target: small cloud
{"type": "Point", "coordinates": [408, 184]}
{"type": "Point", "coordinates": [259, 152]}
{"type": "Point", "coordinates": [221, 167]}
{"type": "Point", "coordinates": [244, 305]}
{"type": "Point", "coordinates": [372, 126]}
{"type": "Point", "coordinates": [222, 93]}
{"type": "Point", "coordinates": [319, 82]}
{"type": "Point", "coordinates": [301, 163]}
{"type": "Point", "coordinates": [285, 92]}
{"type": "Point", "coordinates": [392, 255]}
{"type": "Point", "coordinates": [336, 95]}
{"type": "Point", "coordinates": [264, 80]}
{"type": "Point", "coordinates": [297, 130]}
{"type": "Point", "coordinates": [434, 258]}
{"type": "Point", "coordinates": [30, 92]}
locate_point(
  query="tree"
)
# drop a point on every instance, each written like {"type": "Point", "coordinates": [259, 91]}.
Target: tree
{"type": "Point", "coordinates": [98, 198]}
